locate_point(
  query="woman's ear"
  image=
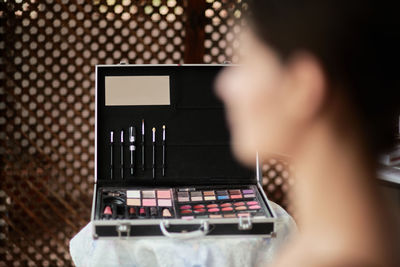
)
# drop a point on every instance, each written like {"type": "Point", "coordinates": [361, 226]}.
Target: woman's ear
{"type": "Point", "coordinates": [305, 82]}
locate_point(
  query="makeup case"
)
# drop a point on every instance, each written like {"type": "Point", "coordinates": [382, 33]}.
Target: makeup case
{"type": "Point", "coordinates": [190, 185]}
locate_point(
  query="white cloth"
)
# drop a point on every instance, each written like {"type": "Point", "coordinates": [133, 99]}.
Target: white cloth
{"type": "Point", "coordinates": [86, 252]}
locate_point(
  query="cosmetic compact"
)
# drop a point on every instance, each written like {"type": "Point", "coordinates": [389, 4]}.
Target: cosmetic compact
{"type": "Point", "coordinates": [163, 161]}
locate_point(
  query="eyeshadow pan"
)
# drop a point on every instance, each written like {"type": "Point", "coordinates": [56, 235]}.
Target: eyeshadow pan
{"type": "Point", "coordinates": [227, 209]}
{"type": "Point", "coordinates": [163, 194]}
{"type": "Point", "coordinates": [226, 205]}
{"type": "Point", "coordinates": [223, 197]}
{"type": "Point", "coordinates": [222, 193]}
{"type": "Point", "coordinates": [243, 214]}
{"type": "Point", "coordinates": [199, 211]}
{"type": "Point", "coordinates": [249, 196]}
{"type": "Point", "coordinates": [186, 211]}
{"type": "Point", "coordinates": [255, 207]}
{"type": "Point", "coordinates": [133, 194]}
{"type": "Point", "coordinates": [209, 198]}
{"type": "Point", "coordinates": [241, 208]}
{"type": "Point", "coordinates": [239, 204]}
{"type": "Point", "coordinates": [183, 199]}
{"type": "Point", "coordinates": [250, 203]}
{"type": "Point", "coordinates": [229, 215]}
{"type": "Point", "coordinates": [187, 217]}
{"type": "Point", "coordinates": [248, 191]}
{"type": "Point", "coordinates": [199, 206]}
{"type": "Point", "coordinates": [133, 202]}
{"type": "Point", "coordinates": [183, 194]}
{"type": "Point", "coordinates": [148, 194]}
{"type": "Point", "coordinates": [164, 203]}
{"type": "Point", "coordinates": [195, 194]}
{"type": "Point", "coordinates": [200, 198]}
{"type": "Point", "coordinates": [234, 192]}
{"type": "Point", "coordinates": [236, 196]}
{"type": "Point", "coordinates": [215, 216]}
{"type": "Point", "coordinates": [208, 193]}
{"type": "Point", "coordinates": [149, 202]}
{"type": "Point", "coordinates": [213, 210]}
{"type": "Point", "coordinates": [185, 207]}
{"type": "Point", "coordinates": [210, 206]}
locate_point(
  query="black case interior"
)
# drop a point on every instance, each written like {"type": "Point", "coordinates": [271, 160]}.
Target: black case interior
{"type": "Point", "coordinates": [198, 141]}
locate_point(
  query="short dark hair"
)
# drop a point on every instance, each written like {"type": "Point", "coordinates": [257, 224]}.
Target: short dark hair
{"type": "Point", "coordinates": [358, 44]}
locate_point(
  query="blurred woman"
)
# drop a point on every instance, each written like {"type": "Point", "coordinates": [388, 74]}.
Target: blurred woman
{"type": "Point", "coordinates": [318, 81]}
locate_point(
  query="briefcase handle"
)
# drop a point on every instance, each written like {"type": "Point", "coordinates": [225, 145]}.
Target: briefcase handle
{"type": "Point", "coordinates": [203, 230]}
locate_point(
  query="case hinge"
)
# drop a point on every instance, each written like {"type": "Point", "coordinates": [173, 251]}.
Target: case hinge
{"type": "Point", "coordinates": [123, 230]}
{"type": "Point", "coordinates": [245, 223]}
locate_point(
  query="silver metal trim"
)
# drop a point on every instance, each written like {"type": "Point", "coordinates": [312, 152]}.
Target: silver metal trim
{"type": "Point", "coordinates": [95, 126]}
{"type": "Point", "coordinates": [245, 224]}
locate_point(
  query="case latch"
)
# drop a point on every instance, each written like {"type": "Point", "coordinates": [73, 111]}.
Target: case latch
{"type": "Point", "coordinates": [123, 230]}
{"type": "Point", "coordinates": [245, 223]}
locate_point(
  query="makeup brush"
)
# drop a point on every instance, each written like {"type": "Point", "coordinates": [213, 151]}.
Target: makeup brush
{"type": "Point", "coordinates": [142, 143]}
{"type": "Point", "coordinates": [111, 155]}
{"type": "Point", "coordinates": [122, 154]}
{"type": "Point", "coordinates": [163, 151]}
{"type": "Point", "coordinates": [132, 147]}
{"type": "Point", "coordinates": [154, 152]}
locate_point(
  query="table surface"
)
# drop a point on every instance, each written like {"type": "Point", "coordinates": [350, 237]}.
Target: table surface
{"type": "Point", "coordinates": [210, 251]}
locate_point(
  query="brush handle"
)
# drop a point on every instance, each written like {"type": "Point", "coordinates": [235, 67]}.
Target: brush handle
{"type": "Point", "coordinates": [154, 160]}
{"type": "Point", "coordinates": [143, 163]}
{"type": "Point", "coordinates": [111, 161]}
{"type": "Point", "coordinates": [132, 149]}
{"type": "Point", "coordinates": [163, 158]}
{"type": "Point", "coordinates": [122, 161]}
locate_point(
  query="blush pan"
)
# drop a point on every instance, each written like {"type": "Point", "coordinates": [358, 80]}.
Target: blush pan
{"type": "Point", "coordinates": [163, 194]}
{"type": "Point", "coordinates": [149, 202]}
{"type": "Point", "coordinates": [164, 202]}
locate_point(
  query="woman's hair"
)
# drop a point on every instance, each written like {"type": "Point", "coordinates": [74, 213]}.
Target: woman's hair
{"type": "Point", "coordinates": [358, 45]}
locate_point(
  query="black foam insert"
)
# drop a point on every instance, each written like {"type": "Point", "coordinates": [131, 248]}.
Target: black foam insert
{"type": "Point", "coordinates": [198, 141]}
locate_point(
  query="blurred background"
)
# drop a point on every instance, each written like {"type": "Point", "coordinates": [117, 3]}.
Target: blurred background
{"type": "Point", "coordinates": [49, 49]}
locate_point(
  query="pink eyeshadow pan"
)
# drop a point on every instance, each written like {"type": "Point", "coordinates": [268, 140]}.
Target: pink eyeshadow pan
{"type": "Point", "coordinates": [183, 199]}
{"type": "Point", "coordinates": [249, 196]}
{"type": "Point", "coordinates": [255, 207]}
{"type": "Point", "coordinates": [149, 202]}
{"type": "Point", "coordinates": [164, 202]}
{"type": "Point", "coordinates": [236, 196]}
{"type": "Point", "coordinates": [188, 217]}
{"type": "Point", "coordinates": [163, 194]}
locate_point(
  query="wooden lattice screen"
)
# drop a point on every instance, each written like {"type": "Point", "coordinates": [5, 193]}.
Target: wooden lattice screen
{"type": "Point", "coordinates": [48, 52]}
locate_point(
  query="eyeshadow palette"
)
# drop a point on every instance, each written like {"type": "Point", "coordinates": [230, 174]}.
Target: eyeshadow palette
{"type": "Point", "coordinates": [184, 203]}
{"type": "Point", "coordinates": [163, 161]}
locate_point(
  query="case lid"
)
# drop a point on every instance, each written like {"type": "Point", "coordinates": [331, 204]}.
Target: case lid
{"type": "Point", "coordinates": [182, 98]}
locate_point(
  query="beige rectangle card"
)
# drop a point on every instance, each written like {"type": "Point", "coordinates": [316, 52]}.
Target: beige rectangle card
{"type": "Point", "coordinates": [137, 90]}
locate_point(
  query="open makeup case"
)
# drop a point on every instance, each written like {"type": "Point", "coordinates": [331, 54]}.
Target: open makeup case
{"type": "Point", "coordinates": [163, 162]}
